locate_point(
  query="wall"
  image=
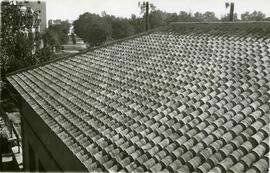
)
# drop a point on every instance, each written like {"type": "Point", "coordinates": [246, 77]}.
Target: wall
{"type": "Point", "coordinates": [41, 156]}
{"type": "Point", "coordinates": [50, 153]}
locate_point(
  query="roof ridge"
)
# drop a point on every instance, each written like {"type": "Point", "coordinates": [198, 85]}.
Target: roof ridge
{"type": "Point", "coordinates": [87, 50]}
{"type": "Point", "coordinates": [220, 22]}
{"type": "Point", "coordinates": [254, 24]}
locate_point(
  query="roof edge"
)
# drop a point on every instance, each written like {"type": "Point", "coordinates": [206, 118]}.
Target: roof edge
{"type": "Point", "coordinates": [87, 50]}
{"type": "Point", "coordinates": [238, 24]}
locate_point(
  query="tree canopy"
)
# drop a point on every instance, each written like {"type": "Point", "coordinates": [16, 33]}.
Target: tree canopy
{"type": "Point", "coordinates": [92, 28]}
{"type": "Point", "coordinates": [19, 43]}
{"type": "Point", "coordinates": [254, 16]}
{"type": "Point", "coordinates": [121, 28]}
{"type": "Point", "coordinates": [61, 30]}
{"type": "Point", "coordinates": [95, 29]}
{"type": "Point", "coordinates": [57, 34]}
{"type": "Point", "coordinates": [16, 49]}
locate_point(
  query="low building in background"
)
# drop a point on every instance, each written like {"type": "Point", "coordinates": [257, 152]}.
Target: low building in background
{"type": "Point", "coordinates": [54, 22]}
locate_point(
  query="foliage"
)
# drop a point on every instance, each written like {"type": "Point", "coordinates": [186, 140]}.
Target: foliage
{"type": "Point", "coordinates": [184, 16]}
{"type": "Point", "coordinates": [227, 17]}
{"type": "Point", "coordinates": [73, 38]}
{"type": "Point", "coordinates": [137, 23]}
{"type": "Point", "coordinates": [18, 42]}
{"type": "Point", "coordinates": [16, 47]}
{"type": "Point", "coordinates": [51, 39]}
{"type": "Point", "coordinates": [92, 28]}
{"type": "Point", "coordinates": [199, 17]}
{"type": "Point", "coordinates": [121, 28]}
{"type": "Point", "coordinates": [96, 29]}
{"type": "Point", "coordinates": [56, 35]}
{"type": "Point", "coordinates": [44, 54]}
{"type": "Point", "coordinates": [209, 16]}
{"type": "Point", "coordinates": [254, 16]}
{"type": "Point", "coordinates": [60, 31]}
{"type": "Point", "coordinates": [142, 6]}
{"type": "Point", "coordinates": [157, 18]}
{"type": "Point", "coordinates": [171, 17]}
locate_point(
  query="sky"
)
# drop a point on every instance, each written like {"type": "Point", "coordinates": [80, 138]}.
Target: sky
{"type": "Point", "coordinates": [71, 9]}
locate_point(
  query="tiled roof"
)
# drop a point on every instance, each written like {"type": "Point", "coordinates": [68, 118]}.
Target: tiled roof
{"type": "Point", "coordinates": [185, 100]}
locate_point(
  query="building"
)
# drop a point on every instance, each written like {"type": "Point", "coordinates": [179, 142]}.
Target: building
{"type": "Point", "coordinates": [59, 22]}
{"type": "Point", "coordinates": [186, 97]}
{"type": "Point", "coordinates": [54, 22]}
{"type": "Point", "coordinates": [40, 8]}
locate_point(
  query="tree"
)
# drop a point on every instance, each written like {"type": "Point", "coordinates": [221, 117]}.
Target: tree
{"type": "Point", "coordinates": [137, 23]}
{"type": "Point", "coordinates": [56, 35]}
{"type": "Point", "coordinates": [199, 17]}
{"type": "Point", "coordinates": [20, 46]}
{"type": "Point", "coordinates": [142, 6]}
{"type": "Point", "coordinates": [209, 16]}
{"type": "Point", "coordinates": [184, 17]}
{"type": "Point", "coordinates": [227, 17]}
{"type": "Point", "coordinates": [61, 31]}
{"type": "Point", "coordinates": [156, 19]}
{"type": "Point", "coordinates": [254, 16]}
{"type": "Point", "coordinates": [171, 17]}
{"type": "Point", "coordinates": [73, 38]}
{"type": "Point", "coordinates": [17, 40]}
{"type": "Point", "coordinates": [121, 28]}
{"type": "Point", "coordinates": [51, 39]}
{"type": "Point", "coordinates": [92, 28]}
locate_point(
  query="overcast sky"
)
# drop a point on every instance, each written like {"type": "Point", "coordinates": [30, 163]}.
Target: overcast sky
{"type": "Point", "coordinates": [71, 9]}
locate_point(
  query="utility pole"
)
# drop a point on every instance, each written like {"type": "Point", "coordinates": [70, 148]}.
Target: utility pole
{"type": "Point", "coordinates": [231, 5]}
{"type": "Point", "coordinates": [146, 16]}
{"type": "Point", "coordinates": [231, 11]}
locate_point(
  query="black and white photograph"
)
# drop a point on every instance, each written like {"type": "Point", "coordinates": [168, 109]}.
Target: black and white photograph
{"type": "Point", "coordinates": [135, 86]}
